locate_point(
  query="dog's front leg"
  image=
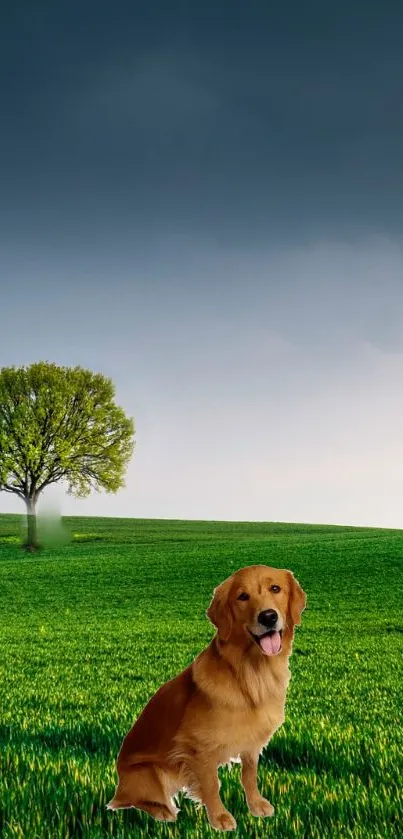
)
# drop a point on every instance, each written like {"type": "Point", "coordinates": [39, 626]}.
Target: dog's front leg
{"type": "Point", "coordinates": [207, 787]}
{"type": "Point", "coordinates": [258, 805]}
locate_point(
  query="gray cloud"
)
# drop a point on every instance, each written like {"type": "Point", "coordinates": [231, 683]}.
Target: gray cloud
{"type": "Point", "coordinates": [260, 125]}
{"type": "Point", "coordinates": [205, 203]}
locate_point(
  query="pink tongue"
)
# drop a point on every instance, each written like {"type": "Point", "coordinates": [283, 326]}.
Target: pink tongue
{"type": "Point", "coordinates": [270, 644]}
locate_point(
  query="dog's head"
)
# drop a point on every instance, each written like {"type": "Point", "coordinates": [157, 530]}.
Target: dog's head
{"type": "Point", "coordinates": [259, 603]}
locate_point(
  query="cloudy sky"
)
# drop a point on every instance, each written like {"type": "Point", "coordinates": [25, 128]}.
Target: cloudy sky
{"type": "Point", "coordinates": [204, 201]}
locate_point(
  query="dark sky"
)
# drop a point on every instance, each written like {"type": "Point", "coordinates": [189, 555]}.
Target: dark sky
{"type": "Point", "coordinates": [240, 120]}
{"type": "Point", "coordinates": [204, 201]}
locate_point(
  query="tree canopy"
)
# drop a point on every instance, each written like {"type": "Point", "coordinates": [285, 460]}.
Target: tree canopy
{"type": "Point", "coordinates": [60, 424]}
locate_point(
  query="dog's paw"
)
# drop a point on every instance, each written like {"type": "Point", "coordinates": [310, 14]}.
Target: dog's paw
{"type": "Point", "coordinates": [223, 821]}
{"type": "Point", "coordinates": [261, 807]}
{"type": "Point", "coordinates": [167, 816]}
{"type": "Point", "coordinates": [117, 804]}
{"type": "Point", "coordinates": [158, 811]}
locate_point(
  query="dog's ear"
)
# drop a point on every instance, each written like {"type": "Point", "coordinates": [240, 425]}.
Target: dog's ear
{"type": "Point", "coordinates": [296, 599]}
{"type": "Point", "coordinates": [219, 611]}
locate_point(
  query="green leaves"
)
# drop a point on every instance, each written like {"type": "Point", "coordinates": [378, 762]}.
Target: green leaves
{"type": "Point", "coordinates": [61, 424]}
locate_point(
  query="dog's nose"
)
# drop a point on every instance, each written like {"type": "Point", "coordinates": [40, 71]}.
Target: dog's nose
{"type": "Point", "coordinates": [268, 618]}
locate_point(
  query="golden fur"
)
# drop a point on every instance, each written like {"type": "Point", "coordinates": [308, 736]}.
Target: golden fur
{"type": "Point", "coordinates": [225, 705]}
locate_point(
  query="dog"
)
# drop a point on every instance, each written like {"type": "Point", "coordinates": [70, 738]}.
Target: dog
{"type": "Point", "coordinates": [224, 706]}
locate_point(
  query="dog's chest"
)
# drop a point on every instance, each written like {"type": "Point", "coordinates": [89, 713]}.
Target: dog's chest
{"type": "Point", "coordinates": [237, 714]}
{"type": "Point", "coordinates": [236, 732]}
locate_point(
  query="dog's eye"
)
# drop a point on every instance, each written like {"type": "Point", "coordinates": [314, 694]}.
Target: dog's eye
{"type": "Point", "coordinates": [243, 596]}
{"type": "Point", "coordinates": [276, 589]}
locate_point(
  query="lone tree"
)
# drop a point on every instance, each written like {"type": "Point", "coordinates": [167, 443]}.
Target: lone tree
{"type": "Point", "coordinates": [60, 424]}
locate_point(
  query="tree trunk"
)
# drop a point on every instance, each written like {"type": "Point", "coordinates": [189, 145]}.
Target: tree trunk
{"type": "Point", "coordinates": [32, 539]}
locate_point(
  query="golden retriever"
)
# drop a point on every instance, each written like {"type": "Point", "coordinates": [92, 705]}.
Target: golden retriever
{"type": "Point", "coordinates": [225, 705]}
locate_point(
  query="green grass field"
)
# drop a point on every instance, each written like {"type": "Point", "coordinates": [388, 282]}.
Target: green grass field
{"type": "Point", "coordinates": [91, 628]}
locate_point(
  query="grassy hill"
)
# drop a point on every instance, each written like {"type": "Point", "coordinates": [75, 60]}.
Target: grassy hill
{"type": "Point", "coordinates": [90, 628]}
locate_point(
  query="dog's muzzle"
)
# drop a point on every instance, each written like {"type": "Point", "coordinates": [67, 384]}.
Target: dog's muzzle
{"type": "Point", "coordinates": [269, 641]}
